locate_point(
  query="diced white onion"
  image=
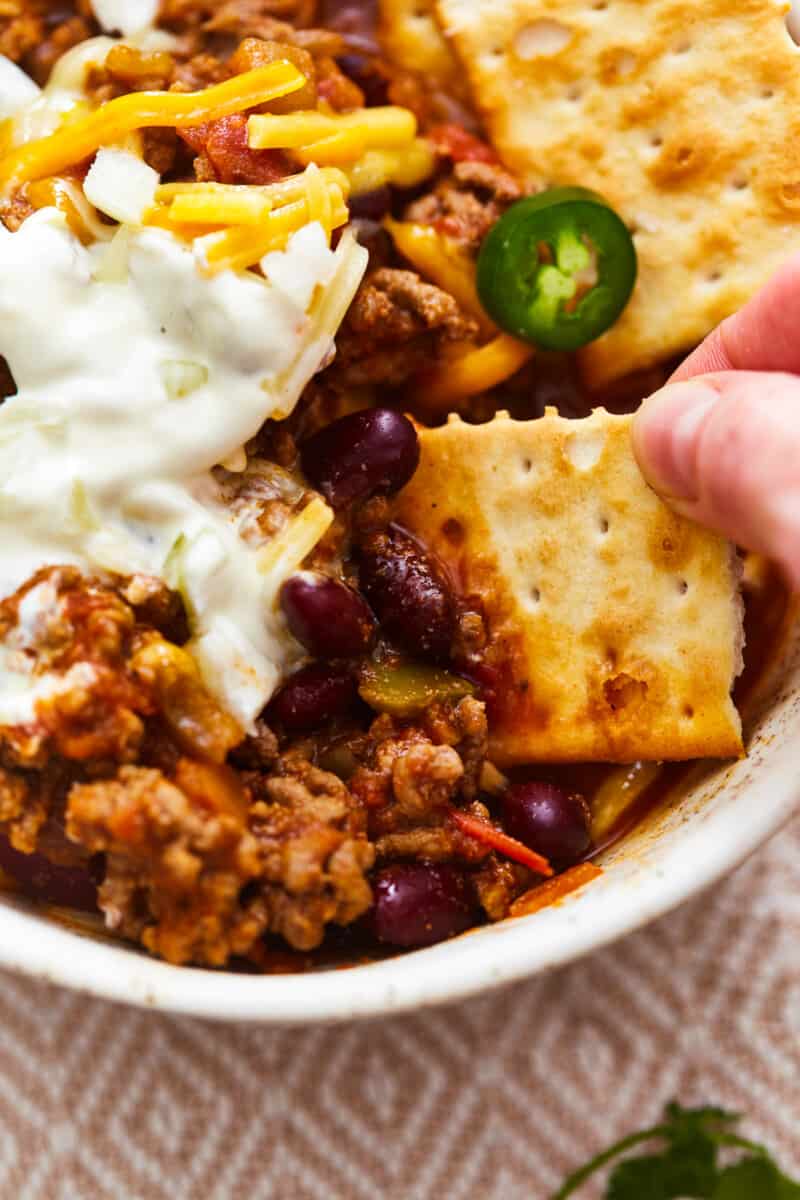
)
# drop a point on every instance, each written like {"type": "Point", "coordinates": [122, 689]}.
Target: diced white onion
{"type": "Point", "coordinates": [299, 275]}
{"type": "Point", "coordinates": [125, 16]}
{"type": "Point", "coordinates": [16, 88]}
{"type": "Point", "coordinates": [120, 185]}
{"type": "Point", "coordinates": [182, 378]}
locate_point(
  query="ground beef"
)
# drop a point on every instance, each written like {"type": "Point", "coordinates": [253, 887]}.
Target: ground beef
{"type": "Point", "coordinates": [395, 328]}
{"type": "Point", "coordinates": [412, 774]}
{"type": "Point", "coordinates": [15, 209]}
{"type": "Point", "coordinates": [240, 18]}
{"type": "Point", "coordinates": [121, 683]}
{"type": "Point", "coordinates": [35, 33]}
{"type": "Point", "coordinates": [261, 498]}
{"type": "Point", "coordinates": [177, 858]}
{"type": "Point", "coordinates": [259, 749]}
{"type": "Point", "coordinates": [498, 883]}
{"type": "Point", "coordinates": [22, 811]}
{"type": "Point", "coordinates": [311, 834]}
{"type": "Point", "coordinates": [467, 202]}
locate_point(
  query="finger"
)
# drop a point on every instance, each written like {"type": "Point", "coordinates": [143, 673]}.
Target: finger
{"type": "Point", "coordinates": [762, 336]}
{"type": "Point", "coordinates": [724, 450]}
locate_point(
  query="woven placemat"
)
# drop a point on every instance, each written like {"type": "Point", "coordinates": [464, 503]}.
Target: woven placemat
{"type": "Point", "coordinates": [495, 1098]}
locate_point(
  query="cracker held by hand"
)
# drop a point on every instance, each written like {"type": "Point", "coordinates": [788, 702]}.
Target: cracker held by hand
{"type": "Point", "coordinates": [684, 116]}
{"type": "Point", "coordinates": [615, 626]}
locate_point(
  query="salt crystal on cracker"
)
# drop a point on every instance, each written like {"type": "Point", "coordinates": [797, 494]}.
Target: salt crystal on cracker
{"type": "Point", "coordinates": [685, 116]}
{"type": "Point", "coordinates": [615, 625]}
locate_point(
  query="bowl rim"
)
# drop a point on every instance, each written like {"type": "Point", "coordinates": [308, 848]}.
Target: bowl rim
{"type": "Point", "coordinates": [639, 891]}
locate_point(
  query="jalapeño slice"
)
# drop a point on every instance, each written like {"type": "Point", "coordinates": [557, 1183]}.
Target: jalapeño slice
{"type": "Point", "coordinates": [557, 269]}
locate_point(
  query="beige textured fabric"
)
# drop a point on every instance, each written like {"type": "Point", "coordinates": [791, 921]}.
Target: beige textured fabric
{"type": "Point", "coordinates": [495, 1098]}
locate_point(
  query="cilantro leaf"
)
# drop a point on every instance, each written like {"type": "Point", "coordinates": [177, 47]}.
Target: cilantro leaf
{"type": "Point", "coordinates": [755, 1177]}
{"type": "Point", "coordinates": [662, 1177]}
{"type": "Point", "coordinates": [687, 1165]}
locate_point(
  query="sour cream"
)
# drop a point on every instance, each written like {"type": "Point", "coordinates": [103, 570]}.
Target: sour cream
{"type": "Point", "coordinates": [137, 376]}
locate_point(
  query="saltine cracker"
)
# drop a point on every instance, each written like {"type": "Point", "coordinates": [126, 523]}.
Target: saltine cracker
{"type": "Point", "coordinates": [413, 40]}
{"type": "Point", "coordinates": [615, 626]}
{"type": "Point", "coordinates": [685, 116]}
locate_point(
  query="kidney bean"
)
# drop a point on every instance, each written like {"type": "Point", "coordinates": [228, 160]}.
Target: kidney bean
{"type": "Point", "coordinates": [328, 617]}
{"type": "Point", "coordinates": [550, 820]}
{"type": "Point", "coordinates": [311, 697]}
{"type": "Point", "coordinates": [375, 450]}
{"type": "Point", "coordinates": [417, 904]}
{"type": "Point", "coordinates": [38, 877]}
{"type": "Point", "coordinates": [370, 205]}
{"type": "Point", "coordinates": [409, 593]}
{"type": "Point", "coordinates": [365, 71]}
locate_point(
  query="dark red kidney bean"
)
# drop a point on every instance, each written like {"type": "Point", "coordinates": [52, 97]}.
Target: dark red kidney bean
{"type": "Point", "coordinates": [375, 450]}
{"type": "Point", "coordinates": [311, 697]}
{"type": "Point", "coordinates": [68, 887]}
{"type": "Point", "coordinates": [365, 71]}
{"type": "Point", "coordinates": [375, 239]}
{"type": "Point", "coordinates": [370, 205]}
{"type": "Point", "coordinates": [548, 819]}
{"type": "Point", "coordinates": [327, 616]}
{"type": "Point", "coordinates": [417, 904]}
{"type": "Point", "coordinates": [409, 593]}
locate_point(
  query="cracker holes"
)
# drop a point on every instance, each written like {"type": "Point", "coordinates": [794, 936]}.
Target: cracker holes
{"type": "Point", "coordinates": [603, 526]}
{"type": "Point", "coordinates": [600, 6]}
{"type": "Point", "coordinates": [739, 183]}
{"type": "Point", "coordinates": [526, 466]}
{"type": "Point", "coordinates": [683, 587]}
{"type": "Point", "coordinates": [544, 38]}
{"type": "Point", "coordinates": [767, 93]}
{"type": "Point", "coordinates": [688, 712]}
{"type": "Point", "coordinates": [574, 94]}
{"type": "Point", "coordinates": [584, 450]}
{"type": "Point", "coordinates": [655, 141]}
{"type": "Point", "coordinates": [714, 277]}
{"type": "Point", "coordinates": [682, 47]}
{"type": "Point", "coordinates": [454, 532]}
{"type": "Point", "coordinates": [535, 597]}
{"type": "Point", "coordinates": [623, 692]}
{"type": "Point", "coordinates": [626, 63]}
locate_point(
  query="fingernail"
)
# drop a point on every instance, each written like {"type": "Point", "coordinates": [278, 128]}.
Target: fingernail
{"type": "Point", "coordinates": [666, 436]}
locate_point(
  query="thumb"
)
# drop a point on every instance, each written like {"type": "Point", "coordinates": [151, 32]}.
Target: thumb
{"type": "Point", "coordinates": [724, 449]}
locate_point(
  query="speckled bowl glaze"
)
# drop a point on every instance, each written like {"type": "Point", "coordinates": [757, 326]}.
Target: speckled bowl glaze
{"type": "Point", "coordinates": [679, 850]}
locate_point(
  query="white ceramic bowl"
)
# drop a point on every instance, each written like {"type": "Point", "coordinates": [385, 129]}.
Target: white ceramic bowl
{"type": "Point", "coordinates": [677, 852]}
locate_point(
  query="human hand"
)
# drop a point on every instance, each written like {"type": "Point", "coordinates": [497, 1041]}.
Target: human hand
{"type": "Point", "coordinates": [721, 441]}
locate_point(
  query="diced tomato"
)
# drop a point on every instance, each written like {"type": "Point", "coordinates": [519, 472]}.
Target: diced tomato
{"type": "Point", "coordinates": [453, 142]}
{"type": "Point", "coordinates": [224, 143]}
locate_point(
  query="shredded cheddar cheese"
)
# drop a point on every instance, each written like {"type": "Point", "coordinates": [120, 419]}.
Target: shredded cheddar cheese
{"type": "Point", "coordinates": [240, 247]}
{"type": "Point", "coordinates": [67, 196]}
{"type": "Point", "coordinates": [297, 539]}
{"type": "Point", "coordinates": [406, 168]}
{"type": "Point", "coordinates": [238, 207]}
{"type": "Point", "coordinates": [442, 261]}
{"type": "Point", "coordinates": [343, 146]}
{"type": "Point", "coordinates": [388, 127]}
{"type": "Point", "coordinates": [294, 187]}
{"type": "Point", "coordinates": [81, 135]}
{"type": "Point", "coordinates": [477, 370]}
